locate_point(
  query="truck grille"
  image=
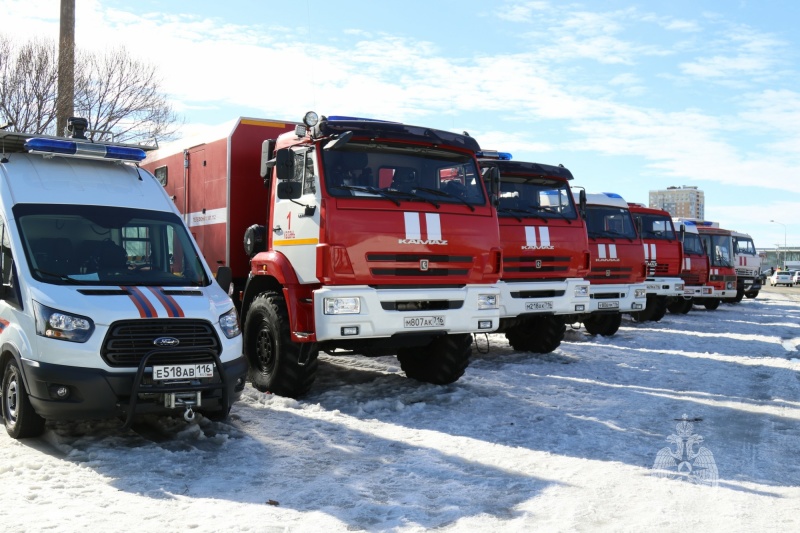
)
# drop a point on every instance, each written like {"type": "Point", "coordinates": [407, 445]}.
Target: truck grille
{"type": "Point", "coordinates": [419, 265]}
{"type": "Point", "coordinates": [536, 264]}
{"type": "Point", "coordinates": [128, 341]}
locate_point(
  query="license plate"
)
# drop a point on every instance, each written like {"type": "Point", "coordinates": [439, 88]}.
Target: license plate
{"type": "Point", "coordinates": [653, 287]}
{"type": "Point", "coordinates": [164, 372]}
{"type": "Point", "coordinates": [536, 306]}
{"type": "Point", "coordinates": [423, 321]}
{"type": "Point", "coordinates": [608, 305]}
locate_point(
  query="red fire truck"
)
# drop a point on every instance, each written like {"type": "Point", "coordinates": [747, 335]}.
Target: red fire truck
{"type": "Point", "coordinates": [695, 271]}
{"type": "Point", "coordinates": [719, 247]}
{"type": "Point", "coordinates": [363, 243]}
{"type": "Point", "coordinates": [545, 251]}
{"type": "Point", "coordinates": [618, 268]}
{"type": "Point", "coordinates": [664, 256]}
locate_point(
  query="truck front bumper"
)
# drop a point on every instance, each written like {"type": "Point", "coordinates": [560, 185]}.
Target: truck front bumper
{"type": "Point", "coordinates": [665, 286]}
{"type": "Point", "coordinates": [546, 297]}
{"type": "Point", "coordinates": [623, 298]}
{"type": "Point", "coordinates": [362, 312]}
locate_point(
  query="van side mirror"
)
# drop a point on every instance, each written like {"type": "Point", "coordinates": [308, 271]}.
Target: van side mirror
{"type": "Point", "coordinates": [225, 278]}
{"type": "Point", "coordinates": [284, 164]}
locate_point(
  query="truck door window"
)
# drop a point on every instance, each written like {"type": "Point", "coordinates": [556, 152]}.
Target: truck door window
{"type": "Point", "coordinates": [7, 267]}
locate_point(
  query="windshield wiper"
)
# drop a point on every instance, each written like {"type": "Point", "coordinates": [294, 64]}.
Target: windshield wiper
{"type": "Point", "coordinates": [512, 212]}
{"type": "Point", "coordinates": [62, 277]}
{"type": "Point", "coordinates": [439, 192]}
{"type": "Point", "coordinates": [548, 209]}
{"type": "Point", "coordinates": [371, 190]}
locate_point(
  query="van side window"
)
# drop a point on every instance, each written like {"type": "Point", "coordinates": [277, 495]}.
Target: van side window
{"type": "Point", "coordinates": [7, 267]}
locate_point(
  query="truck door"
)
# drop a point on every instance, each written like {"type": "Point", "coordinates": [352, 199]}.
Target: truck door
{"type": "Point", "coordinates": [295, 218]}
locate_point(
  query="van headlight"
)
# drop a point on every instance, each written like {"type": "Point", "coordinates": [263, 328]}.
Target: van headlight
{"type": "Point", "coordinates": [229, 324]}
{"type": "Point", "coordinates": [55, 324]}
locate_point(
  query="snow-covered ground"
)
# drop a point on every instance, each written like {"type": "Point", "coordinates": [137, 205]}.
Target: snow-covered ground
{"type": "Point", "coordinates": [561, 442]}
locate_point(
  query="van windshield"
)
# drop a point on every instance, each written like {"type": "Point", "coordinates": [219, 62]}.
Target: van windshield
{"type": "Point", "coordinates": [99, 245]}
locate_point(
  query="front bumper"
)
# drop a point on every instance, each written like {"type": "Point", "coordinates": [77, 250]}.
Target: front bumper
{"type": "Point", "coordinates": [546, 297]}
{"type": "Point", "coordinates": [665, 286]}
{"type": "Point", "coordinates": [99, 393]}
{"type": "Point", "coordinates": [623, 298]}
{"type": "Point", "coordinates": [386, 312]}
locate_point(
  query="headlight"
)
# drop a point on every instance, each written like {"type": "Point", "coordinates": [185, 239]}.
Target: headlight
{"type": "Point", "coordinates": [640, 293]}
{"type": "Point", "coordinates": [341, 306]}
{"type": "Point", "coordinates": [730, 285]}
{"type": "Point", "coordinates": [229, 323]}
{"type": "Point", "coordinates": [488, 301]}
{"type": "Point", "coordinates": [679, 287]}
{"type": "Point", "coordinates": [56, 324]}
{"type": "Point", "coordinates": [582, 290]}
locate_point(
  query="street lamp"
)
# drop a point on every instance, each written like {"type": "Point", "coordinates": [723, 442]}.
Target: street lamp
{"type": "Point", "coordinates": [784, 239]}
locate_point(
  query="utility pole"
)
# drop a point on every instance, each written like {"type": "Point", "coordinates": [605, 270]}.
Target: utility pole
{"type": "Point", "coordinates": [65, 99]}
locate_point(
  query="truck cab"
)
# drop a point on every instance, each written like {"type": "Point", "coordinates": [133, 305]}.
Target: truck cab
{"type": "Point", "coordinates": [380, 240]}
{"type": "Point", "coordinates": [545, 250]}
{"type": "Point", "coordinates": [664, 256]}
{"type": "Point", "coordinates": [107, 307]}
{"type": "Point", "coordinates": [748, 266]}
{"type": "Point", "coordinates": [694, 270]}
{"type": "Point", "coordinates": [617, 270]}
{"type": "Point", "coordinates": [718, 243]}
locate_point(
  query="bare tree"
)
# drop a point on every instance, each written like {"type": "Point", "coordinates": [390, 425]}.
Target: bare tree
{"type": "Point", "coordinates": [119, 95]}
{"type": "Point", "coordinates": [28, 77]}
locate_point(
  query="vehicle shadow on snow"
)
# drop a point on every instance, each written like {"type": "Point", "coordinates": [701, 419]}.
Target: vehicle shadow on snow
{"type": "Point", "coordinates": [605, 399]}
{"type": "Point", "coordinates": [282, 456]}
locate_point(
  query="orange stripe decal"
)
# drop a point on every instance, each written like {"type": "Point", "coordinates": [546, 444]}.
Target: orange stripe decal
{"type": "Point", "coordinates": [169, 303]}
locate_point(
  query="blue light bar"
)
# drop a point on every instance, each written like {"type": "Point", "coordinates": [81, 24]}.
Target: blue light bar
{"type": "Point", "coordinates": [494, 154]}
{"type": "Point", "coordinates": [612, 195]}
{"type": "Point", "coordinates": [84, 150]}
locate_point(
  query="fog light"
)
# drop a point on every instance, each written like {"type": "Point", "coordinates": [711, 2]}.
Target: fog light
{"type": "Point", "coordinates": [637, 306]}
{"type": "Point", "coordinates": [58, 392]}
{"type": "Point", "coordinates": [484, 324]}
{"type": "Point", "coordinates": [580, 307]}
{"type": "Point", "coordinates": [349, 331]}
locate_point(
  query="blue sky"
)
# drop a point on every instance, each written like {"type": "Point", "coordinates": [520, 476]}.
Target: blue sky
{"type": "Point", "coordinates": [630, 96]}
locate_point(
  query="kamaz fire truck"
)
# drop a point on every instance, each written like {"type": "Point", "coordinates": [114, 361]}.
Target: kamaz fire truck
{"type": "Point", "coordinates": [377, 238]}
{"type": "Point", "coordinates": [663, 253]}
{"type": "Point", "coordinates": [545, 251]}
{"type": "Point", "coordinates": [747, 263]}
{"type": "Point", "coordinates": [695, 270]}
{"type": "Point", "coordinates": [617, 265]}
{"type": "Point", "coordinates": [718, 244]}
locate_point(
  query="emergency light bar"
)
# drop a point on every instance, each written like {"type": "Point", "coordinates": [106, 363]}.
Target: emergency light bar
{"type": "Point", "coordinates": [494, 154]}
{"type": "Point", "coordinates": [84, 150]}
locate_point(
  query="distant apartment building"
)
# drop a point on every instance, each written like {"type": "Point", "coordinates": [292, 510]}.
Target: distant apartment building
{"type": "Point", "coordinates": [684, 201]}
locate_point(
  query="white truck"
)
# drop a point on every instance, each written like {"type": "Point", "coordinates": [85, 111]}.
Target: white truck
{"type": "Point", "coordinates": [106, 307]}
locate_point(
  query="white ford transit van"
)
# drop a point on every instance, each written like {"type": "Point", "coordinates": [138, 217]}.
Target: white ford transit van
{"type": "Point", "coordinates": [106, 307]}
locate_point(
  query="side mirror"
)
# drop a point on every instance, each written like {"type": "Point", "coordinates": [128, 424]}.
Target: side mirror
{"type": "Point", "coordinates": [682, 233]}
{"type": "Point", "coordinates": [284, 164]}
{"type": "Point", "coordinates": [225, 278]}
{"type": "Point", "coordinates": [582, 203]}
{"type": "Point", "coordinates": [290, 190]}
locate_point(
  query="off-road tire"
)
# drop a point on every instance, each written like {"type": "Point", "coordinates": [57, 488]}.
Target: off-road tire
{"type": "Point", "coordinates": [751, 295]}
{"type": "Point", "coordinates": [541, 334]}
{"type": "Point", "coordinates": [677, 307]}
{"type": "Point", "coordinates": [441, 362]}
{"type": "Point", "coordinates": [711, 304]}
{"type": "Point", "coordinates": [603, 324]}
{"type": "Point", "coordinates": [660, 309]}
{"type": "Point", "coordinates": [273, 356]}
{"type": "Point", "coordinates": [20, 419]}
{"type": "Point", "coordinates": [648, 312]}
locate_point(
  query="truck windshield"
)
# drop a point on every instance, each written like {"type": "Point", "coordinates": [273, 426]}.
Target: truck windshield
{"type": "Point", "coordinates": [522, 197]}
{"type": "Point", "coordinates": [692, 244]}
{"type": "Point", "coordinates": [609, 222]}
{"type": "Point", "coordinates": [718, 248]}
{"type": "Point", "coordinates": [656, 227]}
{"type": "Point", "coordinates": [402, 173]}
{"type": "Point", "coordinates": [99, 245]}
{"type": "Point", "coordinates": [744, 245]}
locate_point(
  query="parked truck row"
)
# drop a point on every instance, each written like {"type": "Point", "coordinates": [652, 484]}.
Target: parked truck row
{"type": "Point", "coordinates": [339, 235]}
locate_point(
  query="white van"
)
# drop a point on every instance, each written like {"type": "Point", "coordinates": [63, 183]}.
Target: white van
{"type": "Point", "coordinates": [106, 307]}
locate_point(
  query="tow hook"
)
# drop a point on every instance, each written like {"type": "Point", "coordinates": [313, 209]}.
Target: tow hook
{"type": "Point", "coordinates": [189, 414]}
